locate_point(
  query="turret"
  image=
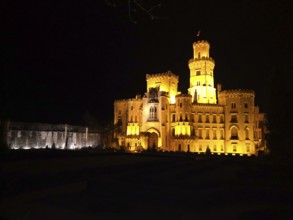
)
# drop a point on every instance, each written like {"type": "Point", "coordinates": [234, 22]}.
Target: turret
{"type": "Point", "coordinates": [202, 74]}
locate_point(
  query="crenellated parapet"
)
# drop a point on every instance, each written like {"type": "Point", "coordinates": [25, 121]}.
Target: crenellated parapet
{"type": "Point", "coordinates": [127, 100]}
{"type": "Point", "coordinates": [183, 96]}
{"type": "Point", "coordinates": [162, 75]}
{"type": "Point", "coordinates": [201, 43]}
{"type": "Point", "coordinates": [237, 93]}
{"type": "Point", "coordinates": [199, 107]}
{"type": "Point", "coordinates": [201, 59]}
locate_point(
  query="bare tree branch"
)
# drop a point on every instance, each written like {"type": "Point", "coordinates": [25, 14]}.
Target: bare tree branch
{"type": "Point", "coordinates": [136, 6]}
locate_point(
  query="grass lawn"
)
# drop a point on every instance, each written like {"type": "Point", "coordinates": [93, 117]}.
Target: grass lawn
{"type": "Point", "coordinates": [143, 186]}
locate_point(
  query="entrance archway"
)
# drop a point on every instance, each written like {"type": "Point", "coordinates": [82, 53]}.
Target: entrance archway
{"type": "Point", "coordinates": [153, 141]}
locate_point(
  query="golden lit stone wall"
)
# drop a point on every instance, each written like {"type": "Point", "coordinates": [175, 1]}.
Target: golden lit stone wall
{"type": "Point", "coordinates": [167, 82]}
{"type": "Point", "coordinates": [239, 117]}
{"type": "Point", "coordinates": [202, 74]}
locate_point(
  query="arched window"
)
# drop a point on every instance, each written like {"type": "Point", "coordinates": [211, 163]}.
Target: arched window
{"type": "Point", "coordinates": [234, 133]}
{"type": "Point", "coordinates": [153, 113]}
{"type": "Point", "coordinates": [173, 117]}
{"type": "Point", "coordinates": [246, 133]}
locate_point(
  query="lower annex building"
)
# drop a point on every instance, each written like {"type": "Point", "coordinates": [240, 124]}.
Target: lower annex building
{"type": "Point", "coordinates": [205, 119]}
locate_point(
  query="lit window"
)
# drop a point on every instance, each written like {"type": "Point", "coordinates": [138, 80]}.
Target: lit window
{"type": "Point", "coordinates": [234, 133]}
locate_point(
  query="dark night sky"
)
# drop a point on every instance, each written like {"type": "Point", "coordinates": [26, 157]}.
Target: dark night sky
{"type": "Point", "coordinates": [63, 58]}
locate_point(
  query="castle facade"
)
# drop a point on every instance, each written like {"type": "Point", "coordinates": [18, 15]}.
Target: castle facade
{"type": "Point", "coordinates": [205, 119]}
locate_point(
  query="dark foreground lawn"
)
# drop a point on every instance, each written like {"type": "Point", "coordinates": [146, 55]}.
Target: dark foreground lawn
{"type": "Point", "coordinates": [143, 186]}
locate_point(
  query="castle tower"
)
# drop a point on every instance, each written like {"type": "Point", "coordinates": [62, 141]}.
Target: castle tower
{"type": "Point", "coordinates": [201, 68]}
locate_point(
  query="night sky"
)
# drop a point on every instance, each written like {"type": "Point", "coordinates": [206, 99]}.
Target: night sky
{"type": "Point", "coordinates": [61, 59]}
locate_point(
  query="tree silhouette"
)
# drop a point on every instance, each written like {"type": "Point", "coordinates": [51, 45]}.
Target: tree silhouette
{"type": "Point", "coordinates": [138, 9]}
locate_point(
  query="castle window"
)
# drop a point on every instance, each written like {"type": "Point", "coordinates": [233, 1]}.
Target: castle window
{"type": "Point", "coordinates": [153, 113]}
{"type": "Point", "coordinates": [198, 72]}
{"type": "Point", "coordinates": [222, 134]}
{"type": "Point", "coordinates": [246, 118]}
{"type": "Point", "coordinates": [214, 119]}
{"type": "Point", "coordinates": [173, 117]}
{"type": "Point", "coordinates": [180, 117]}
{"type": "Point", "coordinates": [199, 119]}
{"type": "Point", "coordinates": [234, 133]}
{"type": "Point", "coordinates": [221, 119]}
{"type": "Point", "coordinates": [200, 134]}
{"type": "Point", "coordinates": [173, 132]}
{"type": "Point", "coordinates": [198, 55]}
{"type": "Point", "coordinates": [198, 83]}
{"type": "Point", "coordinates": [245, 105]}
{"type": "Point", "coordinates": [234, 148]}
{"type": "Point", "coordinates": [180, 104]}
{"type": "Point", "coordinates": [247, 134]}
{"type": "Point", "coordinates": [207, 134]}
{"type": "Point", "coordinates": [214, 134]}
{"type": "Point", "coordinates": [247, 148]}
{"type": "Point", "coordinates": [207, 119]}
{"type": "Point", "coordinates": [200, 148]}
{"type": "Point", "coordinates": [233, 119]}
{"type": "Point", "coordinates": [192, 132]}
{"type": "Point", "coordinates": [233, 105]}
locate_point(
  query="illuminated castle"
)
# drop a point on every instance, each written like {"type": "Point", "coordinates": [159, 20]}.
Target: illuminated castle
{"type": "Point", "coordinates": [205, 119]}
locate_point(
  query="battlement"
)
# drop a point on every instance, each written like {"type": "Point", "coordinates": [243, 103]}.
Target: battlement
{"type": "Point", "coordinates": [202, 107]}
{"type": "Point", "coordinates": [199, 42]}
{"type": "Point", "coordinates": [237, 92]}
{"type": "Point", "coordinates": [183, 96]}
{"type": "Point", "coordinates": [162, 75]}
{"type": "Point", "coordinates": [202, 58]}
{"type": "Point", "coordinates": [127, 100]}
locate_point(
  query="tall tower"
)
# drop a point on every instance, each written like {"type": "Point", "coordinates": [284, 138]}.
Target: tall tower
{"type": "Point", "coordinates": [202, 74]}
